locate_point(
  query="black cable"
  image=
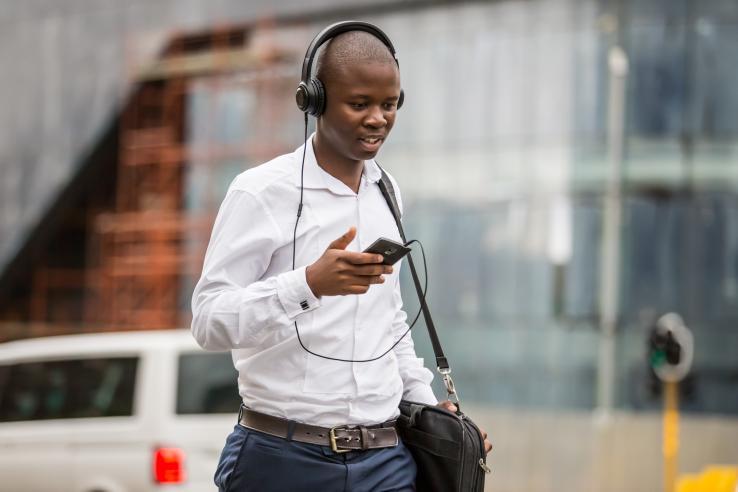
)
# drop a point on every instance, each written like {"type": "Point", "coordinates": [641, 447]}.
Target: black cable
{"type": "Point", "coordinates": [294, 241]}
{"type": "Point", "coordinates": [302, 187]}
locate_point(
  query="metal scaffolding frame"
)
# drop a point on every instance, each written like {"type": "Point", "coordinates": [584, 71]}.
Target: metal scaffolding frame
{"type": "Point", "coordinates": [144, 251]}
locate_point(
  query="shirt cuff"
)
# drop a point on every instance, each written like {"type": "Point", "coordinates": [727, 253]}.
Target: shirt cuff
{"type": "Point", "coordinates": [294, 293]}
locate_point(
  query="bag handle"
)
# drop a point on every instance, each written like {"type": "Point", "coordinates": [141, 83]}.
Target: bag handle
{"type": "Point", "coordinates": [388, 191]}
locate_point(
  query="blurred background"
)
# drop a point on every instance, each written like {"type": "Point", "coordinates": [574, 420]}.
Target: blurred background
{"type": "Point", "coordinates": [571, 167]}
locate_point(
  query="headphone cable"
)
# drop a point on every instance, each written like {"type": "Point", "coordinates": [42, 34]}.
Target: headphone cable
{"type": "Point", "coordinates": [294, 248]}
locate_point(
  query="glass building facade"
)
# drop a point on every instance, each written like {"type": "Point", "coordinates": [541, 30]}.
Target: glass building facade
{"type": "Point", "coordinates": [502, 152]}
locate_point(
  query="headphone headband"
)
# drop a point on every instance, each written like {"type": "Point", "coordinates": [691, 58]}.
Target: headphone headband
{"type": "Point", "coordinates": [339, 28]}
{"type": "Point", "coordinates": [310, 95]}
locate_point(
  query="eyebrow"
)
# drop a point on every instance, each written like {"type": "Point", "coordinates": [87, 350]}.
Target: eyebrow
{"type": "Point", "coordinates": [364, 96]}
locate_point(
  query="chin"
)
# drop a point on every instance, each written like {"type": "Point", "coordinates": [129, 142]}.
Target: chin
{"type": "Point", "coordinates": [362, 155]}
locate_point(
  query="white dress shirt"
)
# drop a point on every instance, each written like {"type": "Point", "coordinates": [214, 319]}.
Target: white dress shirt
{"type": "Point", "coordinates": [249, 297]}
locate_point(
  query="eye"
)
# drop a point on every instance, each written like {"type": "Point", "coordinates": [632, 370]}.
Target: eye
{"type": "Point", "coordinates": [357, 105]}
{"type": "Point", "coordinates": [389, 106]}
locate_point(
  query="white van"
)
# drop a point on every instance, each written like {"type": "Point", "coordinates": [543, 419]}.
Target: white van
{"type": "Point", "coordinates": [113, 412]}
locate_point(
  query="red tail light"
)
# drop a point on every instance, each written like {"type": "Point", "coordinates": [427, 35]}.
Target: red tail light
{"type": "Point", "coordinates": [169, 465]}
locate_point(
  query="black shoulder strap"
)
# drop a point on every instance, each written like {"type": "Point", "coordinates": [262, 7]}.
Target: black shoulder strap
{"type": "Point", "coordinates": [388, 191]}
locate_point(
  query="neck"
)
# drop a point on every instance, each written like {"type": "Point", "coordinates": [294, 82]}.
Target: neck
{"type": "Point", "coordinates": [345, 170]}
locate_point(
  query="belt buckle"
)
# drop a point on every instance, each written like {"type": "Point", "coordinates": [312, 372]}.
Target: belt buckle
{"type": "Point", "coordinates": [334, 444]}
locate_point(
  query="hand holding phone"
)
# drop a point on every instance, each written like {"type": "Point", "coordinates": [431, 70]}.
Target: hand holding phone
{"type": "Point", "coordinates": [340, 272]}
{"type": "Point", "coordinates": [390, 250]}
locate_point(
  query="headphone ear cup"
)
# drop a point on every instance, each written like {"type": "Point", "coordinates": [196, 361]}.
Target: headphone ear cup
{"type": "Point", "coordinates": [401, 99]}
{"type": "Point", "coordinates": [318, 97]}
{"type": "Point", "coordinates": [302, 97]}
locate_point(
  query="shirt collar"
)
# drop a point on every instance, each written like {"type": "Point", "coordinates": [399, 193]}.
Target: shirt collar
{"type": "Point", "coordinates": [317, 178]}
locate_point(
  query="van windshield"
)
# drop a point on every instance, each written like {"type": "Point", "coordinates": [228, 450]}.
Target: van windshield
{"type": "Point", "coordinates": [207, 383]}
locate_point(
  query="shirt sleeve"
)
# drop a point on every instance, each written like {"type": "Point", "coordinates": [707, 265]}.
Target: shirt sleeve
{"type": "Point", "coordinates": [232, 305]}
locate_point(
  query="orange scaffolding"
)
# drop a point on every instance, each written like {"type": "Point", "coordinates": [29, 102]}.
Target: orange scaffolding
{"type": "Point", "coordinates": [138, 243]}
{"type": "Point", "coordinates": [142, 258]}
{"type": "Point", "coordinates": [144, 247]}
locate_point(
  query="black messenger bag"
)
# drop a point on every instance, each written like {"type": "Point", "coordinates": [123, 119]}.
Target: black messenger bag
{"type": "Point", "coordinates": [448, 447]}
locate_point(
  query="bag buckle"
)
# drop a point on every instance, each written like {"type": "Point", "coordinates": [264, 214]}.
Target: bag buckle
{"type": "Point", "coordinates": [334, 444]}
{"type": "Point", "coordinates": [449, 384]}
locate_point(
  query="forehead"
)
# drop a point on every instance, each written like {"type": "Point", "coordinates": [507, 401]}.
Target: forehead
{"type": "Point", "coordinates": [362, 75]}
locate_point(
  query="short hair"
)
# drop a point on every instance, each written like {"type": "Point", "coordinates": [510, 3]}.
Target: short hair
{"type": "Point", "coordinates": [348, 48]}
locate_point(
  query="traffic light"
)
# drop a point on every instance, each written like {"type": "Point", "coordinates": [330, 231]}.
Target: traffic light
{"type": "Point", "coordinates": [664, 349]}
{"type": "Point", "coordinates": [670, 350]}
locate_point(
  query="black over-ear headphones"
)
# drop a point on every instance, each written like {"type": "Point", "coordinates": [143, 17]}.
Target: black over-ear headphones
{"type": "Point", "coordinates": [310, 95]}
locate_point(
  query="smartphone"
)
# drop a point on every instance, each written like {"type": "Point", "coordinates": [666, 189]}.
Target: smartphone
{"type": "Point", "coordinates": [391, 251]}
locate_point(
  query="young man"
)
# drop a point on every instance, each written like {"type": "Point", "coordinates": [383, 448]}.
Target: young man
{"type": "Point", "coordinates": [311, 423]}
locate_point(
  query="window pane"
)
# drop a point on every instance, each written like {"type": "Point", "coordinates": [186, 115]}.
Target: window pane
{"type": "Point", "coordinates": [207, 384]}
{"type": "Point", "coordinates": [68, 389]}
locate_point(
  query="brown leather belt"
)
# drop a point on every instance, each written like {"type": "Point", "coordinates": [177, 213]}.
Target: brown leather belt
{"type": "Point", "coordinates": [341, 439]}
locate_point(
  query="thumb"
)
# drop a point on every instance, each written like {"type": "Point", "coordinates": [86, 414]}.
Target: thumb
{"type": "Point", "coordinates": [344, 240]}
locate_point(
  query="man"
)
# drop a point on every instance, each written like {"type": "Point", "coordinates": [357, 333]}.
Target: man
{"type": "Point", "coordinates": [337, 302]}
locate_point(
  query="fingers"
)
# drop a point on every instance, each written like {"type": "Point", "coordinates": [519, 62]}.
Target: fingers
{"type": "Point", "coordinates": [372, 270]}
{"type": "Point", "coordinates": [377, 279]}
{"type": "Point", "coordinates": [358, 289]}
{"type": "Point", "coordinates": [361, 258]}
{"type": "Point", "coordinates": [448, 405]}
{"type": "Point", "coordinates": [366, 281]}
{"type": "Point", "coordinates": [344, 240]}
{"type": "Point", "coordinates": [487, 445]}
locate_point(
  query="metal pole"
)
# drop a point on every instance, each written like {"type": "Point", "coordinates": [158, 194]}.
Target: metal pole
{"type": "Point", "coordinates": [610, 258]}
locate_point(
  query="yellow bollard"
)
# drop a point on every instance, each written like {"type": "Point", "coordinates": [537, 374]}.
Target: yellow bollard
{"type": "Point", "coordinates": [719, 479]}
{"type": "Point", "coordinates": [712, 479]}
{"type": "Point", "coordinates": [689, 483]}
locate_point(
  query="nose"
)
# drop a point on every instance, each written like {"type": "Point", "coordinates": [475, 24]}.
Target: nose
{"type": "Point", "coordinates": [375, 117]}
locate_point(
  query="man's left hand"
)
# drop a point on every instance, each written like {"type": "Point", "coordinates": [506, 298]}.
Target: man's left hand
{"type": "Point", "coordinates": [448, 405]}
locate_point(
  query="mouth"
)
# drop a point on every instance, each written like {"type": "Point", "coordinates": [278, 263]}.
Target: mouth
{"type": "Point", "coordinates": [371, 143]}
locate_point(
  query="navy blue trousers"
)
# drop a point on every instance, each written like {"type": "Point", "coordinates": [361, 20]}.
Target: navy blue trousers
{"type": "Point", "coordinates": [253, 461]}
